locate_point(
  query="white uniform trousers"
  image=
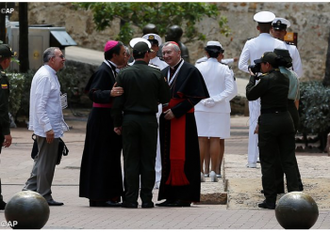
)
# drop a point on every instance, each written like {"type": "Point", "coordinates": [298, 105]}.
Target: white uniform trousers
{"type": "Point", "coordinates": [253, 149]}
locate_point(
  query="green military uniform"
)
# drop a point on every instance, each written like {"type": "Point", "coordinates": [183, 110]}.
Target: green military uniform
{"type": "Point", "coordinates": [4, 95]}
{"type": "Point", "coordinates": [276, 131]}
{"type": "Point", "coordinates": [5, 52]}
{"type": "Point", "coordinates": [144, 88]}
{"type": "Point", "coordinates": [293, 95]}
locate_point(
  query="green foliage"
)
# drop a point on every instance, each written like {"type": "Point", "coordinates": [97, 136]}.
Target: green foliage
{"type": "Point", "coordinates": [19, 93]}
{"type": "Point", "coordinates": [16, 83]}
{"type": "Point", "coordinates": [314, 107]}
{"type": "Point", "coordinates": [162, 14]}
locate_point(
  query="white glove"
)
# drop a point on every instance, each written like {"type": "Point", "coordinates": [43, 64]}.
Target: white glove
{"type": "Point", "coordinates": [209, 102]}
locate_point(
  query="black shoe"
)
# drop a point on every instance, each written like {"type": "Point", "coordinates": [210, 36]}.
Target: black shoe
{"type": "Point", "coordinates": [104, 204]}
{"type": "Point", "coordinates": [147, 205]}
{"type": "Point", "coordinates": [2, 205]}
{"type": "Point", "coordinates": [54, 203]}
{"type": "Point", "coordinates": [177, 203]}
{"type": "Point", "coordinates": [266, 205]}
{"type": "Point", "coordinates": [180, 203]}
{"type": "Point", "coordinates": [262, 191]}
{"type": "Point", "coordinates": [126, 204]}
{"type": "Point", "coordinates": [165, 203]}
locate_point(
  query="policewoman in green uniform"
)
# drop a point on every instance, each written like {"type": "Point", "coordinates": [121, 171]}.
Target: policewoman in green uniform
{"type": "Point", "coordinates": [285, 67]}
{"type": "Point", "coordinates": [276, 129]}
{"type": "Point", "coordinates": [144, 88]}
{"type": "Point", "coordinates": [6, 54]}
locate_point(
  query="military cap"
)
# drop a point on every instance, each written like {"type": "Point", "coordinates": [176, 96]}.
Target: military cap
{"type": "Point", "coordinates": [280, 24]}
{"type": "Point", "coordinates": [140, 45]}
{"type": "Point", "coordinates": [153, 38]}
{"type": "Point", "coordinates": [264, 17]}
{"type": "Point", "coordinates": [269, 57]}
{"type": "Point", "coordinates": [6, 51]}
{"type": "Point", "coordinates": [214, 46]}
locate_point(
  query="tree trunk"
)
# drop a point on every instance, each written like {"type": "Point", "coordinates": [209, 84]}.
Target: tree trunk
{"type": "Point", "coordinates": [23, 37]}
{"type": "Point", "coordinates": [3, 23]}
{"type": "Point", "coordinates": [326, 80]}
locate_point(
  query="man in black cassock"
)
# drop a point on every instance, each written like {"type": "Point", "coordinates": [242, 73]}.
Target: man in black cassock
{"type": "Point", "coordinates": [180, 184]}
{"type": "Point", "coordinates": [100, 172]}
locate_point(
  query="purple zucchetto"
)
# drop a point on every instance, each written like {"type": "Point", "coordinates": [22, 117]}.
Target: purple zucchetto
{"type": "Point", "coordinates": [109, 45]}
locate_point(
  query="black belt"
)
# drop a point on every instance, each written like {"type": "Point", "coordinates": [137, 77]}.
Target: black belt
{"type": "Point", "coordinates": [273, 110]}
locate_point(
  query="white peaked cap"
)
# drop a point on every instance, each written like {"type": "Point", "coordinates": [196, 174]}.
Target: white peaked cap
{"type": "Point", "coordinates": [153, 36]}
{"type": "Point", "coordinates": [264, 17]}
{"type": "Point", "coordinates": [136, 40]}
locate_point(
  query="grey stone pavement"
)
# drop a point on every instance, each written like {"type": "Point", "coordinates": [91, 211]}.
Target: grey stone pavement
{"type": "Point", "coordinates": [16, 165]}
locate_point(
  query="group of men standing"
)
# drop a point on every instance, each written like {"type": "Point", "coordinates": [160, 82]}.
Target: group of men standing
{"type": "Point", "coordinates": [128, 105]}
{"type": "Point", "coordinates": [129, 100]}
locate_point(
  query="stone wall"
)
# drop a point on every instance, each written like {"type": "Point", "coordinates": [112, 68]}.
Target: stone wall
{"type": "Point", "coordinates": [309, 20]}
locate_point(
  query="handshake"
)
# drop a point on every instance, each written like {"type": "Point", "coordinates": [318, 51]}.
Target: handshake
{"type": "Point", "coordinates": [208, 102]}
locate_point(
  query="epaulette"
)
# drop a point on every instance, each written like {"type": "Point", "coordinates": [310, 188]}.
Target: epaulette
{"type": "Point", "coordinates": [290, 43]}
{"type": "Point", "coordinates": [154, 66]}
{"type": "Point", "coordinates": [2, 74]}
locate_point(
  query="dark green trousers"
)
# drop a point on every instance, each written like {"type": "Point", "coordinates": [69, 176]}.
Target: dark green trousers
{"type": "Point", "coordinates": [277, 141]}
{"type": "Point", "coordinates": [279, 171]}
{"type": "Point", "coordinates": [139, 133]}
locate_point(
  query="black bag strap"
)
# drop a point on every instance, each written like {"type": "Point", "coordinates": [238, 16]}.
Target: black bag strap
{"type": "Point", "coordinates": [65, 148]}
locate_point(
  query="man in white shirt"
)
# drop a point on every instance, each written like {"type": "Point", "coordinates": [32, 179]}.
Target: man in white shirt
{"type": "Point", "coordinates": [278, 31]}
{"type": "Point", "coordinates": [46, 121]}
{"type": "Point", "coordinates": [253, 50]}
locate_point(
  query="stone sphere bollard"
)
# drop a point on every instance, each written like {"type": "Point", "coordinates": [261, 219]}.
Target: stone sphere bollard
{"type": "Point", "coordinates": [27, 210]}
{"type": "Point", "coordinates": [296, 210]}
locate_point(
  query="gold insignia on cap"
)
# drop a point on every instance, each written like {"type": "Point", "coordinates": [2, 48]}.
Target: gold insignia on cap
{"type": "Point", "coordinates": [151, 37]}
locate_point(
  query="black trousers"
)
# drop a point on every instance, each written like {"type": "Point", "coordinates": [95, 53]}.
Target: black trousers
{"type": "Point", "coordinates": [279, 170]}
{"type": "Point", "coordinates": [139, 133]}
{"type": "Point", "coordinates": [277, 142]}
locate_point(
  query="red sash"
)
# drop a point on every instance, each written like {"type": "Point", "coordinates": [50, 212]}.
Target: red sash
{"type": "Point", "coordinates": [177, 177]}
{"type": "Point", "coordinates": [102, 105]}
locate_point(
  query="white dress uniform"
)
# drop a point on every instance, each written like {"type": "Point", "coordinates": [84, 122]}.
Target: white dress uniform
{"type": "Point", "coordinates": [158, 63]}
{"type": "Point", "coordinates": [296, 61]}
{"type": "Point", "coordinates": [214, 121]}
{"type": "Point", "coordinates": [158, 165]}
{"type": "Point", "coordinates": [223, 61]}
{"type": "Point", "coordinates": [252, 50]}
